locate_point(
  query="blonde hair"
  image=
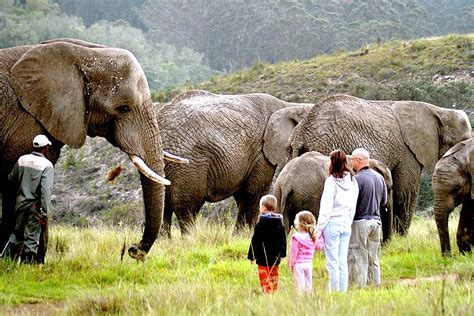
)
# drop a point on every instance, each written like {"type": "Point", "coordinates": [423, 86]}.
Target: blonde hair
{"type": "Point", "coordinates": [269, 201]}
{"type": "Point", "coordinates": [306, 221]}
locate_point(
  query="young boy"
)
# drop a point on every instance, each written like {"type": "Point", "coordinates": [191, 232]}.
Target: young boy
{"type": "Point", "coordinates": [268, 243]}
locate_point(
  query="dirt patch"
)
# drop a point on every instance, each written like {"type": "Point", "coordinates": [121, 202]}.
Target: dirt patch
{"type": "Point", "coordinates": [451, 278]}
{"type": "Point", "coordinates": [34, 309]}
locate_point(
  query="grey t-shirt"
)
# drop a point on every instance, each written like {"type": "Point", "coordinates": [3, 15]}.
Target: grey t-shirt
{"type": "Point", "coordinates": [372, 194]}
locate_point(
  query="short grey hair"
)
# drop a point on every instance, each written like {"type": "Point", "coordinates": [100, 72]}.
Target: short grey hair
{"type": "Point", "coordinates": [361, 152]}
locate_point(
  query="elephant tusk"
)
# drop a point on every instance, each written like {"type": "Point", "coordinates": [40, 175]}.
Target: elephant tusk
{"type": "Point", "coordinates": [174, 158]}
{"type": "Point", "coordinates": [146, 171]}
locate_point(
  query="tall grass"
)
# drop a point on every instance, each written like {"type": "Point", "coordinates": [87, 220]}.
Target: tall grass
{"type": "Point", "coordinates": [206, 272]}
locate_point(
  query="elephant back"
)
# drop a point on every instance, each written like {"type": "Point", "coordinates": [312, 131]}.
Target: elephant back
{"type": "Point", "coordinates": [346, 122]}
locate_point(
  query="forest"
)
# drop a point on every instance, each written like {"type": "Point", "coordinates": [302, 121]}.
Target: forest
{"type": "Point", "coordinates": [188, 41]}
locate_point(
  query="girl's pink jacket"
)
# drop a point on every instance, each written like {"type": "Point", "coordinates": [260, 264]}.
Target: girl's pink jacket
{"type": "Point", "coordinates": [302, 249]}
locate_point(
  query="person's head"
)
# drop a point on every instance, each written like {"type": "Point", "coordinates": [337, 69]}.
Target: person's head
{"type": "Point", "coordinates": [338, 166]}
{"type": "Point", "coordinates": [305, 223]}
{"type": "Point", "coordinates": [304, 220]}
{"type": "Point", "coordinates": [360, 158]}
{"type": "Point", "coordinates": [41, 143]}
{"type": "Point", "coordinates": [268, 203]}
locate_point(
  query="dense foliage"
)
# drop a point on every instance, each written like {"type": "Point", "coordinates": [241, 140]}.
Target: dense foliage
{"type": "Point", "coordinates": [230, 34]}
{"type": "Point", "coordinates": [165, 65]}
{"type": "Point", "coordinates": [233, 34]}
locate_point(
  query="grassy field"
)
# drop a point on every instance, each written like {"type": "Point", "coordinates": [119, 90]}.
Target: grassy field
{"type": "Point", "coordinates": [207, 273]}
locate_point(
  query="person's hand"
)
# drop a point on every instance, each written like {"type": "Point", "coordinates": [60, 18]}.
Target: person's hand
{"type": "Point", "coordinates": [252, 261]}
{"type": "Point", "coordinates": [42, 219]}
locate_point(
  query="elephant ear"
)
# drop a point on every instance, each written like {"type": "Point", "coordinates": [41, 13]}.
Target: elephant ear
{"type": "Point", "coordinates": [50, 87]}
{"type": "Point", "coordinates": [278, 130]}
{"type": "Point", "coordinates": [420, 125]}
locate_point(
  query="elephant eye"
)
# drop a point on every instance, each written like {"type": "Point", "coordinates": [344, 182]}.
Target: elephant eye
{"type": "Point", "coordinates": [123, 108]}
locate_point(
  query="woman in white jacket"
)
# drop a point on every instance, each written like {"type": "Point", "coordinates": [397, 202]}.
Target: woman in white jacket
{"type": "Point", "coordinates": [338, 204]}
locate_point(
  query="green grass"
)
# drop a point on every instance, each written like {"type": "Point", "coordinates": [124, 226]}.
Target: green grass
{"type": "Point", "coordinates": [207, 272]}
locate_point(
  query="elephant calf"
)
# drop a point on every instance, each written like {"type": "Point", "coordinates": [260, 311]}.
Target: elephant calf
{"type": "Point", "coordinates": [300, 184]}
{"type": "Point", "coordinates": [453, 185]}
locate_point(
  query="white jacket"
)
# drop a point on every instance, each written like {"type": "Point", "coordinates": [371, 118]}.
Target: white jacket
{"type": "Point", "coordinates": [338, 201]}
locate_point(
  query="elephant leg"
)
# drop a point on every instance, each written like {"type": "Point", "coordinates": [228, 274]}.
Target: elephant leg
{"type": "Point", "coordinates": [186, 215]}
{"type": "Point", "coordinates": [387, 223]}
{"type": "Point", "coordinates": [248, 197]}
{"type": "Point", "coordinates": [248, 205]}
{"type": "Point", "coordinates": [466, 227]}
{"type": "Point", "coordinates": [406, 181]}
{"type": "Point", "coordinates": [167, 218]}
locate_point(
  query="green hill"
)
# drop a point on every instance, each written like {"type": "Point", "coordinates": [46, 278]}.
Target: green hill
{"type": "Point", "coordinates": [436, 70]}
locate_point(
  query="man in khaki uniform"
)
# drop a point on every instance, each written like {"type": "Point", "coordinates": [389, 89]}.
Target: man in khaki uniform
{"type": "Point", "coordinates": [32, 177]}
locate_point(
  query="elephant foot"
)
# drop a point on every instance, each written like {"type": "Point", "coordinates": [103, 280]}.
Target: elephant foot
{"type": "Point", "coordinates": [136, 253]}
{"type": "Point", "coordinates": [446, 254]}
{"type": "Point", "coordinates": [464, 248]}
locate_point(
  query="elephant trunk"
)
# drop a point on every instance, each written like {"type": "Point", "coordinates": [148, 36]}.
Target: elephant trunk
{"type": "Point", "coordinates": [443, 206]}
{"type": "Point", "coordinates": [151, 167]}
{"type": "Point", "coordinates": [441, 216]}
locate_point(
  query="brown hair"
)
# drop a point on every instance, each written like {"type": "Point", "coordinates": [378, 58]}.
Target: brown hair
{"type": "Point", "coordinates": [305, 221]}
{"type": "Point", "coordinates": [269, 202]}
{"type": "Point", "coordinates": [338, 166]}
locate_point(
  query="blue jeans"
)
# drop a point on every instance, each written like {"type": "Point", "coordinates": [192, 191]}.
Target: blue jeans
{"type": "Point", "coordinates": [336, 246]}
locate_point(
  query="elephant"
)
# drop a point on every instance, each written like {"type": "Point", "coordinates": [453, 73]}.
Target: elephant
{"type": "Point", "coordinates": [67, 89]}
{"type": "Point", "coordinates": [234, 143]}
{"type": "Point", "coordinates": [453, 184]}
{"type": "Point", "coordinates": [300, 184]}
{"type": "Point", "coordinates": [405, 135]}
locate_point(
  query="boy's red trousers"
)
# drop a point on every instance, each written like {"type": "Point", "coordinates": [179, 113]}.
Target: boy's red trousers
{"type": "Point", "coordinates": [268, 278]}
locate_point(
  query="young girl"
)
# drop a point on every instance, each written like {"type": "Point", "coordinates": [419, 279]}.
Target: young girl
{"type": "Point", "coordinates": [302, 250]}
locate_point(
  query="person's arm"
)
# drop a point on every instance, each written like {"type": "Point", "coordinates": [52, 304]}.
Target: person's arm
{"type": "Point", "coordinates": [326, 204]}
{"type": "Point", "coordinates": [254, 241]}
{"type": "Point", "coordinates": [293, 253]}
{"type": "Point", "coordinates": [13, 176]}
{"type": "Point", "coordinates": [47, 181]}
{"type": "Point", "coordinates": [282, 237]}
{"type": "Point", "coordinates": [356, 197]}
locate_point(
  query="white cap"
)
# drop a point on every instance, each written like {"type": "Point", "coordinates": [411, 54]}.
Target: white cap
{"type": "Point", "coordinates": [41, 141]}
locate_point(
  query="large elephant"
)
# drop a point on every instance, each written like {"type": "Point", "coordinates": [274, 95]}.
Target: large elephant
{"type": "Point", "coordinates": [406, 135]}
{"type": "Point", "coordinates": [453, 184]}
{"type": "Point", "coordinates": [234, 144]}
{"type": "Point", "coordinates": [67, 89]}
{"type": "Point", "coordinates": [300, 184]}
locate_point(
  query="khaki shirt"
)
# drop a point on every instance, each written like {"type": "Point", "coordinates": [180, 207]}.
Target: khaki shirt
{"type": "Point", "coordinates": [33, 175]}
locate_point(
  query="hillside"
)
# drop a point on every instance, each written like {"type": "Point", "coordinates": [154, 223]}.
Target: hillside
{"type": "Point", "coordinates": [436, 70]}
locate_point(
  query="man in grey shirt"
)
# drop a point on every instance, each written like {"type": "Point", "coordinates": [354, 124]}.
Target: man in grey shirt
{"type": "Point", "coordinates": [32, 177]}
{"type": "Point", "coordinates": [365, 239]}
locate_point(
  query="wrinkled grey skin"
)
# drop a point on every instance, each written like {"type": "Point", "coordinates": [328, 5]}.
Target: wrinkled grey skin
{"type": "Point", "coordinates": [233, 143]}
{"type": "Point", "coordinates": [453, 184]}
{"type": "Point", "coordinates": [406, 135]}
{"type": "Point", "coordinates": [67, 89]}
{"type": "Point", "coordinates": [301, 182]}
